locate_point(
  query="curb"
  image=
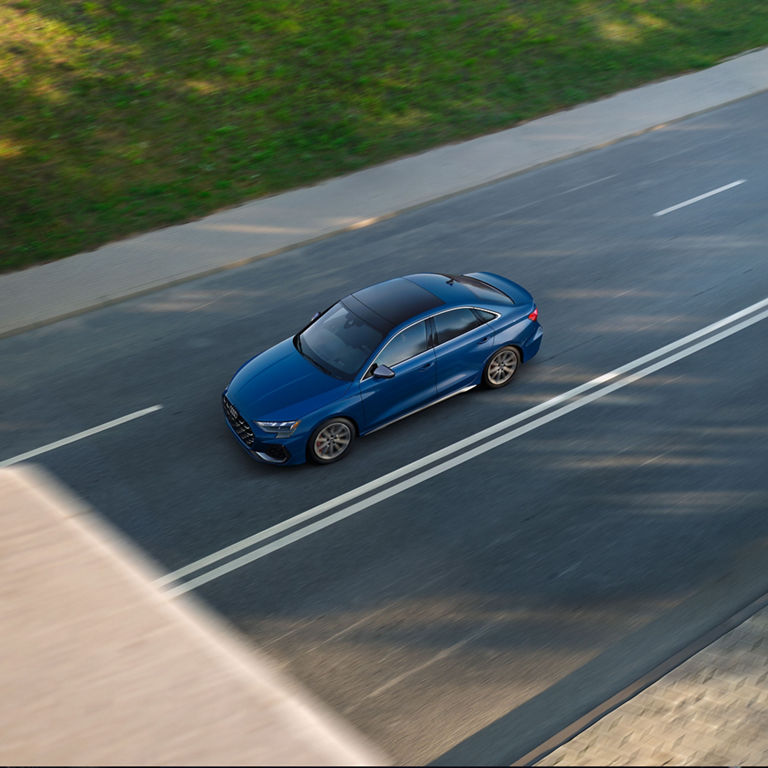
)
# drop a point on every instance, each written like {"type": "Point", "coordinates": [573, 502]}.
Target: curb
{"type": "Point", "coordinates": [269, 226]}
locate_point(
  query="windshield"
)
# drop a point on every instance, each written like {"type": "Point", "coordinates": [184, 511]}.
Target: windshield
{"type": "Point", "coordinates": [339, 342]}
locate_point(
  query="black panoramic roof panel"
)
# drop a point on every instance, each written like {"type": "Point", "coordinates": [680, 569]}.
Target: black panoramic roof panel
{"type": "Point", "coordinates": [397, 300]}
{"type": "Point", "coordinates": [363, 312]}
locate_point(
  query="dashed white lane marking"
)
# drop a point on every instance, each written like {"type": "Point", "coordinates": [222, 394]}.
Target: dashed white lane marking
{"type": "Point", "coordinates": [696, 199]}
{"type": "Point", "coordinates": [439, 656]}
{"type": "Point", "coordinates": [578, 399]}
{"type": "Point", "coordinates": [531, 203]}
{"type": "Point", "coordinates": [79, 436]}
{"type": "Point", "coordinates": [590, 183]}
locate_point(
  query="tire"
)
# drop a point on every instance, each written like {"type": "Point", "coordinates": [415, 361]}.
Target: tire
{"type": "Point", "coordinates": [501, 367]}
{"type": "Point", "coordinates": [331, 441]}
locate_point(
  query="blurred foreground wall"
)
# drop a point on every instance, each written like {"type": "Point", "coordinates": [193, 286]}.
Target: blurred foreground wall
{"type": "Point", "coordinates": [98, 667]}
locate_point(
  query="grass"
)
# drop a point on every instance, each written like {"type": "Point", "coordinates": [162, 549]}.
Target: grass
{"type": "Point", "coordinates": [119, 116]}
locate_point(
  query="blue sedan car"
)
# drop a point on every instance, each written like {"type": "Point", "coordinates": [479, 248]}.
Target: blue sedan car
{"type": "Point", "coordinates": [377, 356]}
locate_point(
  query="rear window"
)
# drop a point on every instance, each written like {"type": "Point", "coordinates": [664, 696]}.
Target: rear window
{"type": "Point", "coordinates": [480, 289]}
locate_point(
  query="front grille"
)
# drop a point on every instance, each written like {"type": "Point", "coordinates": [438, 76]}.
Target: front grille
{"type": "Point", "coordinates": [238, 423]}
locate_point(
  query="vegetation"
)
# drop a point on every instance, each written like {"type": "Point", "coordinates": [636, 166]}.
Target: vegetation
{"type": "Point", "coordinates": [119, 116]}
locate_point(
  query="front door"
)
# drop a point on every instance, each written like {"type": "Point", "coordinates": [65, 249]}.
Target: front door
{"type": "Point", "coordinates": [408, 354]}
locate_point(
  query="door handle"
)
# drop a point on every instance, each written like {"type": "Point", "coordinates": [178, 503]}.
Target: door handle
{"type": "Point", "coordinates": [483, 340]}
{"type": "Point", "coordinates": [426, 365]}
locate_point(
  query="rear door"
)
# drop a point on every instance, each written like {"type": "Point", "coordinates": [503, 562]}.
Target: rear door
{"type": "Point", "coordinates": [463, 341]}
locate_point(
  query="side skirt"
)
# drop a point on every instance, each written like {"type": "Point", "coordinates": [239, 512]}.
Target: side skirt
{"type": "Point", "coordinates": [422, 408]}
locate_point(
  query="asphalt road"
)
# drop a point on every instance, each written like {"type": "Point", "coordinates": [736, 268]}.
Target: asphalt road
{"type": "Point", "coordinates": [469, 616]}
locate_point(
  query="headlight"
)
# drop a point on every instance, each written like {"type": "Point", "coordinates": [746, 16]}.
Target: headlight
{"type": "Point", "coordinates": [277, 427]}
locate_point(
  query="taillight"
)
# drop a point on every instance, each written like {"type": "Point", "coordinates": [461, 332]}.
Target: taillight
{"type": "Point", "coordinates": [534, 315]}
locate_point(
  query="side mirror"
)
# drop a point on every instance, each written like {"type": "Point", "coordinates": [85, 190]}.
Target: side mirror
{"type": "Point", "coordinates": [383, 372]}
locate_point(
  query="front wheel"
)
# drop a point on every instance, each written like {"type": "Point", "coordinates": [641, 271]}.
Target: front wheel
{"type": "Point", "coordinates": [502, 366]}
{"type": "Point", "coordinates": [331, 441]}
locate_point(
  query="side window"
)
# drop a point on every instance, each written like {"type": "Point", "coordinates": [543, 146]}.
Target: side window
{"type": "Point", "coordinates": [408, 343]}
{"type": "Point", "coordinates": [451, 324]}
{"type": "Point", "coordinates": [485, 315]}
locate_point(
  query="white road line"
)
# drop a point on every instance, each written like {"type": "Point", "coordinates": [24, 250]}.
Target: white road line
{"type": "Point", "coordinates": [308, 530]}
{"type": "Point", "coordinates": [439, 656]}
{"type": "Point", "coordinates": [588, 184]}
{"type": "Point", "coordinates": [79, 436]}
{"type": "Point", "coordinates": [699, 197]}
{"type": "Point", "coordinates": [455, 447]}
{"type": "Point", "coordinates": [550, 197]}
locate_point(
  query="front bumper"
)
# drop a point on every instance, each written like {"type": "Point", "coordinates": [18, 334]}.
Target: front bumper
{"type": "Point", "coordinates": [267, 450]}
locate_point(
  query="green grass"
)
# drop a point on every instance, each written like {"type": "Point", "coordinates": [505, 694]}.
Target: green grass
{"type": "Point", "coordinates": [119, 116]}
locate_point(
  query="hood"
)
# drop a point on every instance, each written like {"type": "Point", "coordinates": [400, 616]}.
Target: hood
{"type": "Point", "coordinates": [281, 384]}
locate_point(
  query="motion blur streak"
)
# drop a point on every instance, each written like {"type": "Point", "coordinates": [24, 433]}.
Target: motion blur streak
{"type": "Point", "coordinates": [617, 383]}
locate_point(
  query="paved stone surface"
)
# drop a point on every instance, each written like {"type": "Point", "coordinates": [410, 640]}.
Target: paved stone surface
{"type": "Point", "coordinates": [40, 294]}
{"type": "Point", "coordinates": [98, 667]}
{"type": "Point", "coordinates": [710, 710]}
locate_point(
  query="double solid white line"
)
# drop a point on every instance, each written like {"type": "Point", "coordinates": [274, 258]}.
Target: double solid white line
{"type": "Point", "coordinates": [455, 454]}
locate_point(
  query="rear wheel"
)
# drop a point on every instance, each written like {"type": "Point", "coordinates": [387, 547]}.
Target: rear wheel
{"type": "Point", "coordinates": [331, 441]}
{"type": "Point", "coordinates": [502, 366]}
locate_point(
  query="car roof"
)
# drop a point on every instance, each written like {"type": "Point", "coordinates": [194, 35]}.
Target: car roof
{"type": "Point", "coordinates": [393, 301]}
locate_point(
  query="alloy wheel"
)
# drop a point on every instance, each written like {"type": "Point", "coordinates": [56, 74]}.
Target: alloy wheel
{"type": "Point", "coordinates": [502, 366]}
{"type": "Point", "coordinates": [332, 441]}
